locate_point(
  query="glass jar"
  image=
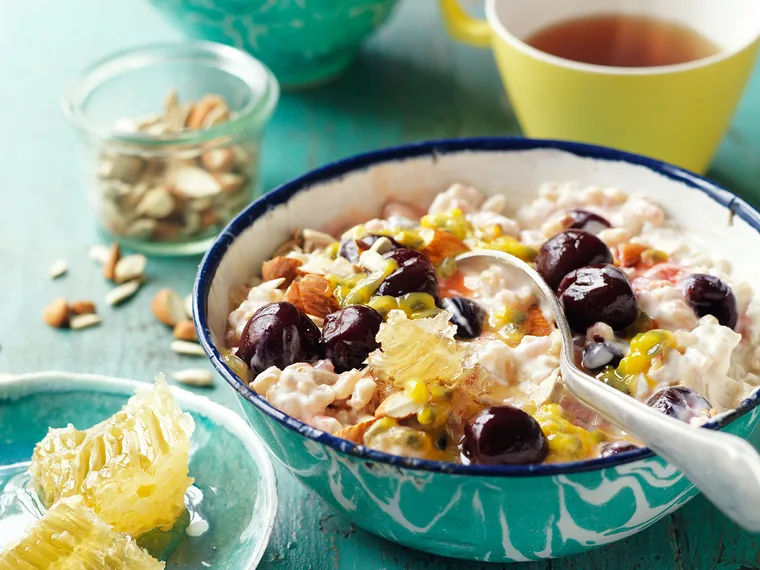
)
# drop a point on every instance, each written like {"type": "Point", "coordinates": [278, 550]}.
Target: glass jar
{"type": "Point", "coordinates": [165, 180]}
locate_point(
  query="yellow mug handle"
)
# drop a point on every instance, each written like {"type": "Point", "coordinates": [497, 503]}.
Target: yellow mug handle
{"type": "Point", "coordinates": [463, 27]}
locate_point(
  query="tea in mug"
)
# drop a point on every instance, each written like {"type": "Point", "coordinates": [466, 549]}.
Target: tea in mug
{"type": "Point", "coordinates": [620, 40]}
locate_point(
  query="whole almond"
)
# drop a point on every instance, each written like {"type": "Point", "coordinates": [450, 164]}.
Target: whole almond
{"type": "Point", "coordinates": [109, 266]}
{"type": "Point", "coordinates": [56, 314]}
{"type": "Point", "coordinates": [313, 295]}
{"type": "Point", "coordinates": [82, 307]}
{"type": "Point", "coordinates": [185, 330]}
{"type": "Point", "coordinates": [280, 266]}
{"type": "Point", "coordinates": [168, 307]}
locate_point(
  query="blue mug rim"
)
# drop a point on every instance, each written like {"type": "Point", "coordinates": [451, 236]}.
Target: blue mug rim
{"type": "Point", "coordinates": [335, 170]}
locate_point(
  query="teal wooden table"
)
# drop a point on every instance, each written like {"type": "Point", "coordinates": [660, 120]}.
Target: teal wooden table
{"type": "Point", "coordinates": [411, 83]}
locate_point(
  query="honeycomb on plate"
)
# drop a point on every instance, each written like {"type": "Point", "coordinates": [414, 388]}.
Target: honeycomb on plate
{"type": "Point", "coordinates": [131, 469]}
{"type": "Point", "coordinates": [70, 536]}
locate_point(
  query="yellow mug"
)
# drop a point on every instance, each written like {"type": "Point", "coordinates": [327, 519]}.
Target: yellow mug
{"type": "Point", "coordinates": [675, 113]}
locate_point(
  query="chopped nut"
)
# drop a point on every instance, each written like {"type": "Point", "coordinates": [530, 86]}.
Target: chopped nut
{"type": "Point", "coordinates": [218, 160]}
{"type": "Point", "coordinates": [84, 321]}
{"type": "Point", "coordinates": [188, 348]}
{"type": "Point", "coordinates": [185, 330]}
{"type": "Point", "coordinates": [109, 267]}
{"type": "Point", "coordinates": [119, 294]}
{"type": "Point", "coordinates": [156, 203]}
{"type": "Point", "coordinates": [313, 295]}
{"type": "Point", "coordinates": [58, 269]}
{"type": "Point", "coordinates": [442, 245]}
{"type": "Point", "coordinates": [189, 306]}
{"type": "Point", "coordinates": [398, 405]}
{"type": "Point", "coordinates": [630, 253]}
{"type": "Point", "coordinates": [355, 433]}
{"type": "Point", "coordinates": [197, 115]}
{"type": "Point", "coordinates": [285, 267]}
{"type": "Point", "coordinates": [537, 324]}
{"type": "Point", "coordinates": [194, 377]}
{"type": "Point", "coordinates": [130, 267]}
{"type": "Point", "coordinates": [550, 390]}
{"type": "Point", "coordinates": [193, 182]}
{"type": "Point", "coordinates": [167, 307]}
{"type": "Point", "coordinates": [99, 253]}
{"type": "Point", "coordinates": [82, 307]}
{"type": "Point", "coordinates": [312, 240]}
{"type": "Point", "coordinates": [56, 314]}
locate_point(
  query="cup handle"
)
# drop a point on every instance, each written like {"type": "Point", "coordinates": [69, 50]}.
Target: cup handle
{"type": "Point", "coordinates": [463, 27]}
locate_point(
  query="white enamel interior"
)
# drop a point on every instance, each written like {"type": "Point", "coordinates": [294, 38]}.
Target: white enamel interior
{"type": "Point", "coordinates": [336, 205]}
{"type": "Point", "coordinates": [731, 24]}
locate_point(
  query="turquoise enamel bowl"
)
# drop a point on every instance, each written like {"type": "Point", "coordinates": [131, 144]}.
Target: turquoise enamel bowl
{"type": "Point", "coordinates": [510, 513]}
{"type": "Point", "coordinates": [235, 490]}
{"type": "Point", "coordinates": [303, 42]}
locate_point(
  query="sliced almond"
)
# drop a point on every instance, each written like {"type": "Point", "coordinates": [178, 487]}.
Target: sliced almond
{"type": "Point", "coordinates": [194, 377]}
{"type": "Point", "coordinates": [550, 390]}
{"type": "Point", "coordinates": [630, 253]}
{"type": "Point", "coordinates": [82, 307]}
{"type": "Point", "coordinates": [537, 325]}
{"type": "Point", "coordinates": [218, 160]}
{"type": "Point", "coordinates": [193, 182]}
{"type": "Point", "coordinates": [313, 239]}
{"type": "Point", "coordinates": [109, 267]}
{"type": "Point", "coordinates": [58, 269]}
{"type": "Point", "coordinates": [99, 252]}
{"type": "Point", "coordinates": [230, 182]}
{"type": "Point", "coordinates": [118, 295]}
{"type": "Point", "coordinates": [130, 267]}
{"type": "Point", "coordinates": [280, 267]}
{"type": "Point", "coordinates": [443, 245]}
{"type": "Point", "coordinates": [84, 321]}
{"type": "Point", "coordinates": [197, 114]}
{"type": "Point", "coordinates": [56, 314]}
{"type": "Point", "coordinates": [185, 330]}
{"type": "Point", "coordinates": [188, 348]}
{"type": "Point", "coordinates": [156, 203]}
{"type": "Point", "coordinates": [167, 307]}
{"type": "Point", "coordinates": [313, 295]}
{"type": "Point", "coordinates": [216, 116]}
{"type": "Point", "coordinates": [189, 306]}
{"type": "Point", "coordinates": [355, 433]}
{"type": "Point", "coordinates": [399, 406]}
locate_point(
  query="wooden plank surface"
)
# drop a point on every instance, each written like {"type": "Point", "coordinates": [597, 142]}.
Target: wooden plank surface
{"type": "Point", "coordinates": [411, 83]}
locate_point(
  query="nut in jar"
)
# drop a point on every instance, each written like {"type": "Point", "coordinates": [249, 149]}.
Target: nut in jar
{"type": "Point", "coordinates": [187, 191]}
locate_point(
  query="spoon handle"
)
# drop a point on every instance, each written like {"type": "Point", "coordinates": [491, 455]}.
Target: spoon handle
{"type": "Point", "coordinates": [724, 467]}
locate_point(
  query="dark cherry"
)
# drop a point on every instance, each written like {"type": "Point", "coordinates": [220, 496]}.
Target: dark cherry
{"type": "Point", "coordinates": [415, 273]}
{"type": "Point", "coordinates": [504, 435]}
{"type": "Point", "coordinates": [569, 250]}
{"type": "Point", "coordinates": [708, 295]}
{"type": "Point", "coordinates": [618, 447]}
{"type": "Point", "coordinates": [597, 355]}
{"type": "Point", "coordinates": [351, 249]}
{"type": "Point", "coordinates": [466, 314]}
{"type": "Point", "coordinates": [597, 293]}
{"type": "Point", "coordinates": [348, 336]}
{"type": "Point", "coordinates": [587, 221]}
{"type": "Point", "coordinates": [278, 334]}
{"type": "Point", "coordinates": [679, 402]}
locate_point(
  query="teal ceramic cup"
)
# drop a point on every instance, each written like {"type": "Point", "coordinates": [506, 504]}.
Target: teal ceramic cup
{"type": "Point", "coordinates": [488, 513]}
{"type": "Point", "coordinates": [304, 43]}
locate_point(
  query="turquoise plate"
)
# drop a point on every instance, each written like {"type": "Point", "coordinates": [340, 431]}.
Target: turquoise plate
{"type": "Point", "coordinates": [235, 490]}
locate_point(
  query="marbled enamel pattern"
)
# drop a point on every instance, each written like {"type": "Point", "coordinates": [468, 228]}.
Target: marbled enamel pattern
{"type": "Point", "coordinates": [302, 41]}
{"type": "Point", "coordinates": [475, 512]}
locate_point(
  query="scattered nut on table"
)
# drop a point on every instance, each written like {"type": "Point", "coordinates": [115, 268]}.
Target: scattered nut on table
{"type": "Point", "coordinates": [194, 377]}
{"type": "Point", "coordinates": [130, 267]}
{"type": "Point", "coordinates": [168, 307]}
{"type": "Point", "coordinates": [185, 330]}
{"type": "Point", "coordinates": [188, 348]}
{"type": "Point", "coordinates": [183, 193]}
{"type": "Point", "coordinates": [84, 321]}
{"type": "Point", "coordinates": [119, 294]}
{"type": "Point", "coordinates": [56, 314]}
{"type": "Point", "coordinates": [82, 307]}
{"type": "Point", "coordinates": [58, 269]}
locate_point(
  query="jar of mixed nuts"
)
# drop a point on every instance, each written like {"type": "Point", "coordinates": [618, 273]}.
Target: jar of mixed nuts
{"type": "Point", "coordinates": [172, 135]}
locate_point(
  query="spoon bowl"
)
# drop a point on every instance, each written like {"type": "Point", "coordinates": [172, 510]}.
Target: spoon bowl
{"type": "Point", "coordinates": [725, 468]}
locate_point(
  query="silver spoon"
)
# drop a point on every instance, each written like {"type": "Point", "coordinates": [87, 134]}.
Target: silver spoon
{"type": "Point", "coordinates": [724, 467]}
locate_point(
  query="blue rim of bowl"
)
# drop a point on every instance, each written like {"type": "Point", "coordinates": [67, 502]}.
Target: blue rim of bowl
{"type": "Point", "coordinates": [434, 148]}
